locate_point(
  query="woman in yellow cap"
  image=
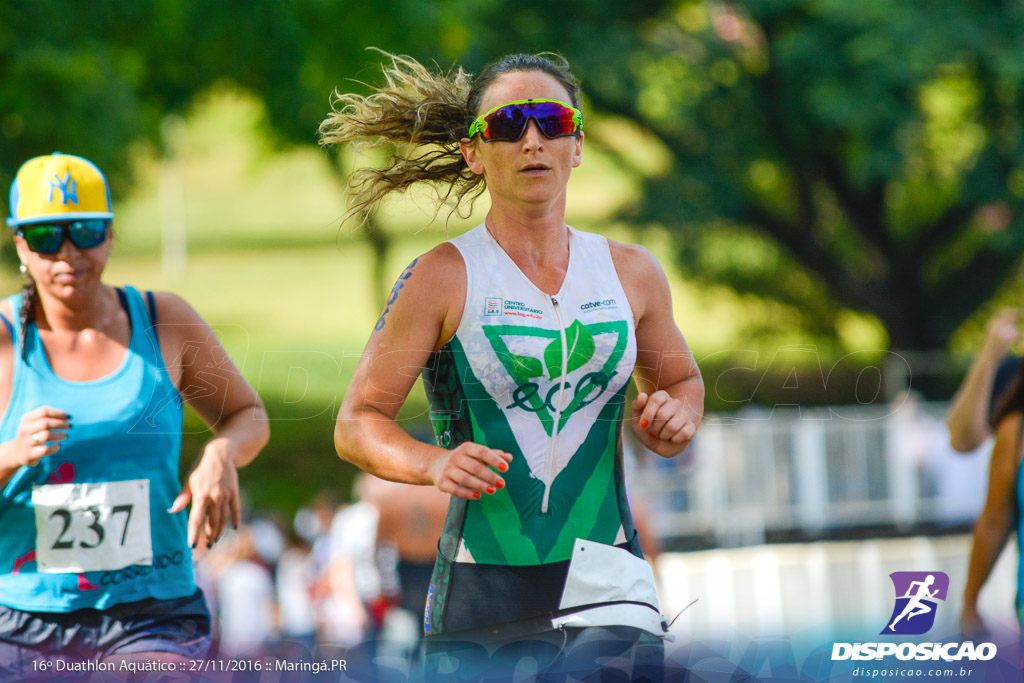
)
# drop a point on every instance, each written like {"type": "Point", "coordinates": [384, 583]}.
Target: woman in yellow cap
{"type": "Point", "coordinates": [95, 548]}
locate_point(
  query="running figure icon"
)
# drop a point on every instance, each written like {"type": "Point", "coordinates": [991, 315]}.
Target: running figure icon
{"type": "Point", "coordinates": [916, 605]}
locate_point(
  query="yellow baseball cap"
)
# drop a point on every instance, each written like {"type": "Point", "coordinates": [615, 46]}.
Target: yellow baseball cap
{"type": "Point", "coordinates": [58, 187]}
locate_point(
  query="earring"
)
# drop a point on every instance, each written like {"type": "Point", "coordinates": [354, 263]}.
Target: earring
{"type": "Point", "coordinates": [22, 268]}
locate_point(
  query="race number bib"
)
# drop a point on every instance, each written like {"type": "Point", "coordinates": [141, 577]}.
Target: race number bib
{"type": "Point", "coordinates": [92, 527]}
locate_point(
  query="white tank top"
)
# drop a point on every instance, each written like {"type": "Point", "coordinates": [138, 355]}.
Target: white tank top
{"type": "Point", "coordinates": [504, 381]}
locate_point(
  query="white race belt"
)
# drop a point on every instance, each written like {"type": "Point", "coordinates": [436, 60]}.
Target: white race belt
{"type": "Point", "coordinates": [611, 587]}
{"type": "Point", "coordinates": [92, 527]}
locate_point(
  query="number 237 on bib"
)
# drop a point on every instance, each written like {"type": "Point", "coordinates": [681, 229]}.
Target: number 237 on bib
{"type": "Point", "coordinates": [92, 527]}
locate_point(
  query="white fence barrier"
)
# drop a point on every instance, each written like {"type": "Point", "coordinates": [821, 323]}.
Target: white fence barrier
{"type": "Point", "coordinates": [813, 472]}
{"type": "Point", "coordinates": [825, 590]}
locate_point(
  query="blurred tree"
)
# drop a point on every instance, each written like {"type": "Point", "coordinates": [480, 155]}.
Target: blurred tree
{"type": "Point", "coordinates": [101, 79]}
{"type": "Point", "coordinates": [98, 79]}
{"type": "Point", "coordinates": [822, 152]}
{"type": "Point", "coordinates": [67, 86]}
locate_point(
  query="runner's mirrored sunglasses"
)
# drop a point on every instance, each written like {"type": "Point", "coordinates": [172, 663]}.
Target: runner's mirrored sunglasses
{"type": "Point", "coordinates": [47, 238]}
{"type": "Point", "coordinates": [507, 122]}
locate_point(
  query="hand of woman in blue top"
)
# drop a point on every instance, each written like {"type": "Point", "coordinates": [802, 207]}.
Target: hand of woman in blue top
{"type": "Point", "coordinates": [213, 489]}
{"type": "Point", "coordinates": [211, 384]}
{"type": "Point", "coordinates": [39, 435]}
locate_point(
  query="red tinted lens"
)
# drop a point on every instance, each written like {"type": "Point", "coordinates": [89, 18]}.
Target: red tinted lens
{"type": "Point", "coordinates": [509, 122]}
{"type": "Point", "coordinates": [554, 119]}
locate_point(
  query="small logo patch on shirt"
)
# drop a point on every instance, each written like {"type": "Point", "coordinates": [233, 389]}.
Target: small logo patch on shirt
{"type": "Point", "coordinates": [598, 305]}
{"type": "Point", "coordinates": [428, 608]}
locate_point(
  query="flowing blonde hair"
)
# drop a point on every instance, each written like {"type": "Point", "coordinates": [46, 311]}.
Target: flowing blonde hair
{"type": "Point", "coordinates": [420, 116]}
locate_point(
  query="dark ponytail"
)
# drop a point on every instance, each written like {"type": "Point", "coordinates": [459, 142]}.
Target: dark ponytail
{"type": "Point", "coordinates": [27, 314]}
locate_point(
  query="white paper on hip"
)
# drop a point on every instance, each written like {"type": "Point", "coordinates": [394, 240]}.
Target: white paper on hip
{"type": "Point", "coordinates": [603, 573]}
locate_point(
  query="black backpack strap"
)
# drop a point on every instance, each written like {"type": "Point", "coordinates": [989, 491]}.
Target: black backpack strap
{"type": "Point", "coordinates": [123, 298]}
{"type": "Point", "coordinates": [151, 300]}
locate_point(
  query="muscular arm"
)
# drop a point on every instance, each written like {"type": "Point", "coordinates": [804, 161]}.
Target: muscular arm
{"type": "Point", "coordinates": [422, 314]}
{"type": "Point", "coordinates": [969, 410]}
{"type": "Point", "coordinates": [209, 381]}
{"type": "Point", "coordinates": [997, 517]}
{"type": "Point", "coordinates": [670, 405]}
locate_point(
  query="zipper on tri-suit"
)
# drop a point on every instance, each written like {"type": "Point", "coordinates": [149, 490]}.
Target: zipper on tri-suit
{"type": "Point", "coordinates": [549, 462]}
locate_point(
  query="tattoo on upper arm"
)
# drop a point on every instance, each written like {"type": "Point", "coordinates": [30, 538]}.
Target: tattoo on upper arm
{"type": "Point", "coordinates": [406, 274]}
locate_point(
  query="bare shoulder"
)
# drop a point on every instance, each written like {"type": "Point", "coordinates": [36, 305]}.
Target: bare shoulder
{"type": "Point", "coordinates": [642, 277]}
{"type": "Point", "coordinates": [634, 255]}
{"type": "Point", "coordinates": [5, 311]}
{"type": "Point", "coordinates": [6, 343]}
{"type": "Point", "coordinates": [6, 356]}
{"type": "Point", "coordinates": [179, 329]}
{"type": "Point", "coordinates": [442, 265]}
{"type": "Point", "coordinates": [171, 309]}
{"type": "Point", "coordinates": [634, 261]}
{"type": "Point", "coordinates": [431, 290]}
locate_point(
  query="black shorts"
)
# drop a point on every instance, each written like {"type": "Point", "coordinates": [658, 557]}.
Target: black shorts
{"type": "Point", "coordinates": [178, 626]}
{"type": "Point", "coordinates": [556, 656]}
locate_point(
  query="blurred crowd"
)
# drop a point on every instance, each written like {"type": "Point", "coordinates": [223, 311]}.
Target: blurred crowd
{"type": "Point", "coordinates": [351, 578]}
{"type": "Point", "coordinates": [347, 579]}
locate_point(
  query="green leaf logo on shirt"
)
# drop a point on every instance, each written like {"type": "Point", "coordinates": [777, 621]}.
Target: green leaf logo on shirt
{"type": "Point", "coordinates": [526, 366]}
{"type": "Point", "coordinates": [580, 344]}
{"type": "Point", "coordinates": [528, 372]}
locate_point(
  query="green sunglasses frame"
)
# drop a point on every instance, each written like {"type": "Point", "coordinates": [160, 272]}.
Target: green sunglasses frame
{"type": "Point", "coordinates": [479, 125]}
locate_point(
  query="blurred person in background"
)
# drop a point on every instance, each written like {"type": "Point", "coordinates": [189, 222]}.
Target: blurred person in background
{"type": "Point", "coordinates": [295, 579]}
{"type": "Point", "coordinates": [357, 593]}
{"type": "Point", "coordinates": [410, 524]}
{"type": "Point", "coordinates": [315, 524]}
{"type": "Point", "coordinates": [95, 548]}
{"type": "Point", "coordinates": [527, 332]}
{"type": "Point", "coordinates": [1003, 511]}
{"type": "Point", "coordinates": [246, 600]}
{"type": "Point", "coordinates": [341, 615]}
{"type": "Point", "coordinates": [638, 462]}
{"type": "Point", "coordinates": [971, 416]}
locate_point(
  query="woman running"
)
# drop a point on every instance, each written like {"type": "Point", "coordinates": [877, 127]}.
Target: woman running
{"type": "Point", "coordinates": [95, 550]}
{"type": "Point", "coordinates": [1003, 511]}
{"type": "Point", "coordinates": [527, 332]}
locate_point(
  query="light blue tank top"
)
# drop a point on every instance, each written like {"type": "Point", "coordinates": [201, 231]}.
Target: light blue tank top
{"type": "Point", "coordinates": [88, 526]}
